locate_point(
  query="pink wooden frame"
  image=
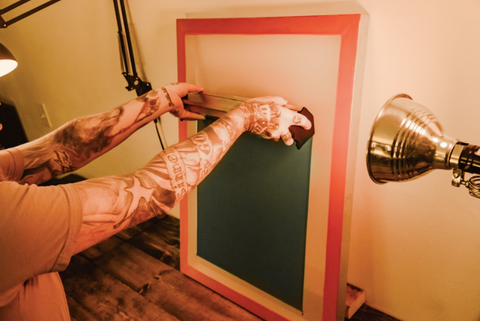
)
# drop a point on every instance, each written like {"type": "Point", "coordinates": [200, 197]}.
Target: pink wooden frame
{"type": "Point", "coordinates": [347, 26]}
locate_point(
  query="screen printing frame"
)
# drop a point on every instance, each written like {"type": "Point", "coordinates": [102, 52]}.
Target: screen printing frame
{"type": "Point", "coordinates": [351, 29]}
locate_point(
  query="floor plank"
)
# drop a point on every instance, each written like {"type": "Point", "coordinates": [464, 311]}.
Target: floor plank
{"type": "Point", "coordinates": [102, 248]}
{"type": "Point", "coordinates": [132, 266]}
{"type": "Point", "coordinates": [80, 313]}
{"type": "Point", "coordinates": [161, 240]}
{"type": "Point", "coordinates": [137, 229]}
{"type": "Point", "coordinates": [172, 290]}
{"type": "Point", "coordinates": [107, 298]}
{"type": "Point", "coordinates": [134, 276]}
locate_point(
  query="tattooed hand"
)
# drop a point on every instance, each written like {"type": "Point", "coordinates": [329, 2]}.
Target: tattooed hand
{"type": "Point", "coordinates": [174, 94]}
{"type": "Point", "coordinates": [268, 118]}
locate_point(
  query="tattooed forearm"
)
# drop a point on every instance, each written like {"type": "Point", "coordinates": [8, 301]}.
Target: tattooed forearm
{"type": "Point", "coordinates": [69, 147]}
{"type": "Point", "coordinates": [190, 161]}
{"type": "Point", "coordinates": [118, 202]}
{"type": "Point", "coordinates": [86, 136]}
{"type": "Point", "coordinates": [82, 140]}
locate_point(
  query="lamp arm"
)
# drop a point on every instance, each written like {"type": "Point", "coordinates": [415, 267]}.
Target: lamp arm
{"type": "Point", "coordinates": [121, 41]}
{"type": "Point", "coordinates": [5, 24]}
{"type": "Point", "coordinates": [133, 80]}
{"type": "Point", "coordinates": [129, 39]}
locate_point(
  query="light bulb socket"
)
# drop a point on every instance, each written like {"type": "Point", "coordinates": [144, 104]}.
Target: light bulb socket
{"type": "Point", "coordinates": [470, 159]}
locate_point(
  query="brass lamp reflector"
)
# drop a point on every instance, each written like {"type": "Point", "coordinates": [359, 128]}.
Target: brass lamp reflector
{"type": "Point", "coordinates": [406, 141]}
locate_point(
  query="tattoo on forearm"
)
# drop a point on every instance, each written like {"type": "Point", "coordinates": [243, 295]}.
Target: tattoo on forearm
{"type": "Point", "coordinates": [229, 133]}
{"type": "Point", "coordinates": [127, 199]}
{"type": "Point", "coordinates": [202, 159]}
{"type": "Point", "coordinates": [190, 161]}
{"type": "Point", "coordinates": [89, 135]}
{"type": "Point", "coordinates": [177, 172]}
{"type": "Point", "coordinates": [167, 95]}
{"type": "Point", "coordinates": [148, 109]}
{"type": "Point", "coordinates": [174, 112]}
{"type": "Point", "coordinates": [156, 188]}
{"type": "Point", "coordinates": [144, 198]}
{"type": "Point", "coordinates": [150, 105]}
{"type": "Point", "coordinates": [62, 159]}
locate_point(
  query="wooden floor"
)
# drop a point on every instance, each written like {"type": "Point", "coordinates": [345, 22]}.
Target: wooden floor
{"type": "Point", "coordinates": [134, 276]}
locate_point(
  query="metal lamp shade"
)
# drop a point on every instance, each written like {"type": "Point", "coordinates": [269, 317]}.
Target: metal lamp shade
{"type": "Point", "coordinates": [406, 141]}
{"type": "Point", "coordinates": [7, 61]}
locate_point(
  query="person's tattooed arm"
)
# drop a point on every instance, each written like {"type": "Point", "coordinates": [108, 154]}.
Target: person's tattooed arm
{"type": "Point", "coordinates": [117, 202]}
{"type": "Point", "coordinates": [80, 141]}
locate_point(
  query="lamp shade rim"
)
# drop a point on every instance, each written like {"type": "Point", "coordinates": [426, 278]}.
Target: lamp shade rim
{"type": "Point", "coordinates": [372, 133]}
{"type": "Point", "coordinates": [7, 66]}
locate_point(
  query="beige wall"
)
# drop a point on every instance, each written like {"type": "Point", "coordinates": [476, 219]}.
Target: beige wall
{"type": "Point", "coordinates": [414, 246]}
